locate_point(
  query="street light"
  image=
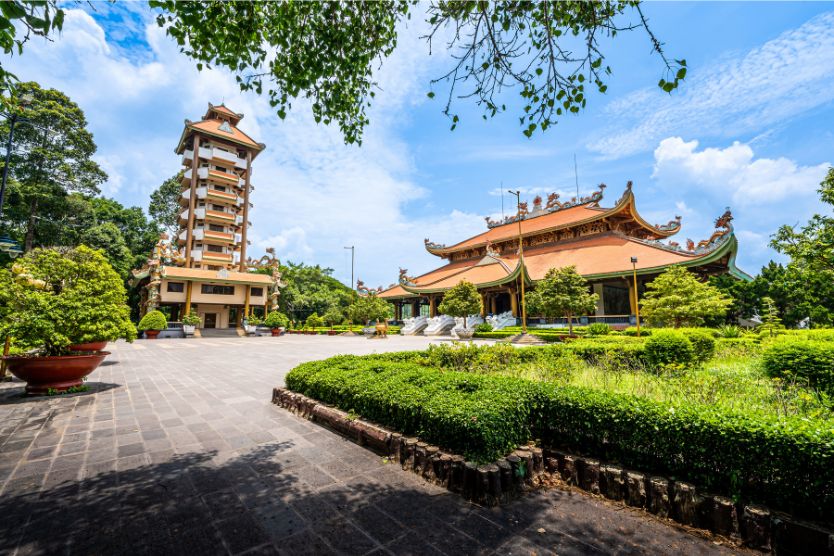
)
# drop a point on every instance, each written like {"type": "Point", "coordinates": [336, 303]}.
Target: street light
{"type": "Point", "coordinates": [636, 298]}
{"type": "Point", "coordinates": [520, 261]}
{"type": "Point", "coordinates": [8, 245]}
{"type": "Point", "coordinates": [352, 257]}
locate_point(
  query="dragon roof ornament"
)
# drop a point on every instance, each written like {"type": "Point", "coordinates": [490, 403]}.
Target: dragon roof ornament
{"type": "Point", "coordinates": [723, 232]}
{"type": "Point", "coordinates": [405, 278]}
{"type": "Point", "coordinates": [433, 245]}
{"type": "Point", "coordinates": [553, 205]}
{"type": "Point", "coordinates": [365, 291]}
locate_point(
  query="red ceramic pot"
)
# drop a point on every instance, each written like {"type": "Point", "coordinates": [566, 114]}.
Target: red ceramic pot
{"type": "Point", "coordinates": [55, 372]}
{"type": "Point", "coordinates": [276, 331]}
{"type": "Point", "coordinates": [151, 334]}
{"type": "Point", "coordinates": [89, 346]}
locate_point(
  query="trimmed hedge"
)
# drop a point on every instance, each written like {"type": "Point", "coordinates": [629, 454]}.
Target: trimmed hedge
{"type": "Point", "coordinates": [807, 360]}
{"type": "Point", "coordinates": [479, 416]}
{"type": "Point", "coordinates": [786, 463]}
{"type": "Point", "coordinates": [669, 348]}
{"type": "Point", "coordinates": [501, 334]}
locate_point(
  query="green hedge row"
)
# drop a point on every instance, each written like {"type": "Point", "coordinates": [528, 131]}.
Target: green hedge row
{"type": "Point", "coordinates": [798, 358]}
{"type": "Point", "coordinates": [479, 416]}
{"type": "Point", "coordinates": [785, 463]}
{"type": "Point", "coordinates": [500, 334]}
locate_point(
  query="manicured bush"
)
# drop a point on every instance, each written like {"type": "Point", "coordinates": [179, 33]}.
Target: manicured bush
{"type": "Point", "coordinates": [484, 327]}
{"type": "Point", "coordinates": [703, 343]}
{"type": "Point", "coordinates": [632, 331]}
{"type": "Point", "coordinates": [479, 416]}
{"type": "Point", "coordinates": [785, 463]}
{"type": "Point", "coordinates": [313, 321]}
{"type": "Point", "coordinates": [806, 360]}
{"type": "Point", "coordinates": [276, 319]}
{"type": "Point", "coordinates": [620, 353]}
{"type": "Point", "coordinates": [598, 329]}
{"type": "Point", "coordinates": [666, 349]}
{"type": "Point", "coordinates": [153, 320]}
{"type": "Point", "coordinates": [191, 320]}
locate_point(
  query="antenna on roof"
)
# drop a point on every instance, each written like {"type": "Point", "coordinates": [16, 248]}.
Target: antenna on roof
{"type": "Point", "coordinates": [576, 175]}
{"type": "Point", "coordinates": [502, 199]}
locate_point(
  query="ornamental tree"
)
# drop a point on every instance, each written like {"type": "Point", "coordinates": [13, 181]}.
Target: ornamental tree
{"type": "Point", "coordinates": [461, 301]}
{"type": "Point", "coordinates": [333, 316]}
{"type": "Point", "coordinates": [677, 298]}
{"type": "Point", "coordinates": [368, 308]}
{"type": "Point", "coordinates": [153, 320]}
{"type": "Point", "coordinates": [562, 292]}
{"type": "Point", "coordinates": [51, 299]}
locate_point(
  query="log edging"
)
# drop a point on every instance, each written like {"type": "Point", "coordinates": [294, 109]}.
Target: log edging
{"type": "Point", "coordinates": [752, 525]}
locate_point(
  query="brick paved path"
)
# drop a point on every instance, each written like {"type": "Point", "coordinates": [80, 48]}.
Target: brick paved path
{"type": "Point", "coordinates": [176, 449]}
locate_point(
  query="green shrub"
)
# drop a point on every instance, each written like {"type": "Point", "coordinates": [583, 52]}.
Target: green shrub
{"type": "Point", "coordinates": [314, 321]}
{"type": "Point", "coordinates": [276, 319]}
{"type": "Point", "coordinates": [191, 320]}
{"type": "Point", "coordinates": [632, 331]}
{"type": "Point", "coordinates": [254, 320]}
{"type": "Point", "coordinates": [825, 334]}
{"type": "Point", "coordinates": [484, 327]}
{"type": "Point", "coordinates": [667, 349]}
{"type": "Point", "coordinates": [703, 343]}
{"type": "Point", "coordinates": [598, 329]}
{"type": "Point", "coordinates": [479, 416]}
{"type": "Point", "coordinates": [618, 353]}
{"type": "Point", "coordinates": [806, 360]}
{"type": "Point", "coordinates": [784, 463]}
{"type": "Point", "coordinates": [729, 331]}
{"type": "Point", "coordinates": [153, 320]}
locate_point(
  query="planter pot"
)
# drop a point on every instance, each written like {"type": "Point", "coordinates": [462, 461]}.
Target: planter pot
{"type": "Point", "coordinates": [89, 346]}
{"type": "Point", "coordinates": [332, 332]}
{"type": "Point", "coordinates": [151, 334]}
{"type": "Point", "coordinates": [277, 331]}
{"type": "Point", "coordinates": [56, 372]}
{"type": "Point", "coordinates": [189, 329]}
{"type": "Point", "coordinates": [250, 328]}
{"type": "Point", "coordinates": [464, 333]}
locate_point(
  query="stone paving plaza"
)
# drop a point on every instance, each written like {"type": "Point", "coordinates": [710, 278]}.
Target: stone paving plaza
{"type": "Point", "coordinates": [177, 449]}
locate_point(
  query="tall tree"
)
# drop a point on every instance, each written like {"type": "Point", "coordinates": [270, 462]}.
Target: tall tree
{"type": "Point", "coordinates": [461, 301]}
{"type": "Point", "coordinates": [165, 203]}
{"type": "Point", "coordinates": [813, 244]}
{"type": "Point", "coordinates": [109, 239]}
{"type": "Point", "coordinates": [19, 21]}
{"type": "Point", "coordinates": [52, 157]}
{"type": "Point", "coordinates": [677, 298]}
{"type": "Point", "coordinates": [549, 51]}
{"type": "Point", "coordinates": [311, 289]}
{"type": "Point", "coordinates": [562, 292]}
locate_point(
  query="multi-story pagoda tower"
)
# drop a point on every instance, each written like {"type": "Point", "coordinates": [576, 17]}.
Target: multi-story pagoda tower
{"type": "Point", "coordinates": [217, 157]}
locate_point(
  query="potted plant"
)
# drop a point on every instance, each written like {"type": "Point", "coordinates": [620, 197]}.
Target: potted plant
{"type": "Point", "coordinates": [332, 317]}
{"type": "Point", "coordinates": [51, 300]}
{"type": "Point", "coordinates": [190, 323]}
{"type": "Point", "coordinates": [461, 301]}
{"type": "Point", "coordinates": [276, 321]}
{"type": "Point", "coordinates": [152, 324]}
{"type": "Point", "coordinates": [252, 323]}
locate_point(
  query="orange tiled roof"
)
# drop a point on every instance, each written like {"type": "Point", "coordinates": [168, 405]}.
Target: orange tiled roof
{"type": "Point", "coordinates": [202, 275]}
{"type": "Point", "coordinates": [551, 220]}
{"type": "Point", "coordinates": [212, 127]}
{"type": "Point", "coordinates": [394, 291]}
{"type": "Point", "coordinates": [223, 109]}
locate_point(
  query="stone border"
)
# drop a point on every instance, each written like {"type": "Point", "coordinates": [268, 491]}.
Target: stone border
{"type": "Point", "coordinates": [498, 483]}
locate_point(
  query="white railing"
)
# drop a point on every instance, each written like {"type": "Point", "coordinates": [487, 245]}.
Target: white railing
{"type": "Point", "coordinates": [471, 321]}
{"type": "Point", "coordinates": [439, 325]}
{"type": "Point", "coordinates": [413, 326]}
{"type": "Point", "coordinates": [220, 154]}
{"type": "Point", "coordinates": [502, 320]}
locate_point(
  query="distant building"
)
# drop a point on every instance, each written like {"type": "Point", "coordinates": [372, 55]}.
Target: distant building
{"type": "Point", "coordinates": [599, 241]}
{"type": "Point", "coordinates": [204, 269]}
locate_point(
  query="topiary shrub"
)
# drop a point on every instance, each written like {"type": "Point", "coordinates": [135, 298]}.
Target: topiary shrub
{"type": "Point", "coordinates": [703, 343]}
{"type": "Point", "coordinates": [276, 319]}
{"type": "Point", "coordinates": [598, 329]}
{"type": "Point", "coordinates": [154, 320]}
{"type": "Point", "coordinates": [50, 299]}
{"type": "Point", "coordinates": [668, 349]}
{"type": "Point", "coordinates": [314, 321]}
{"type": "Point", "coordinates": [810, 361]}
{"type": "Point", "coordinates": [484, 327]}
{"type": "Point", "coordinates": [191, 320]}
{"type": "Point", "coordinates": [632, 331]}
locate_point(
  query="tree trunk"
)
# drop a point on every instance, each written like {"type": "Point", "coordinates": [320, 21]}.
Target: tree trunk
{"type": "Point", "coordinates": [30, 226]}
{"type": "Point", "coordinates": [464, 321]}
{"type": "Point", "coordinates": [570, 324]}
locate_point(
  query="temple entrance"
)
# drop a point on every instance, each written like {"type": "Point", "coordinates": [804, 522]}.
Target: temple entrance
{"type": "Point", "coordinates": [210, 320]}
{"type": "Point", "coordinates": [233, 313]}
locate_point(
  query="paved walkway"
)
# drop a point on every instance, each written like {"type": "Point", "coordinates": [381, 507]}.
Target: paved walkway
{"type": "Point", "coordinates": [176, 449]}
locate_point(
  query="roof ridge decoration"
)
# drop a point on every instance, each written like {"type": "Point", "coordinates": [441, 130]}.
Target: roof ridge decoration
{"type": "Point", "coordinates": [723, 232]}
{"type": "Point", "coordinates": [553, 205]}
{"type": "Point", "coordinates": [365, 291]}
{"type": "Point", "coordinates": [405, 278]}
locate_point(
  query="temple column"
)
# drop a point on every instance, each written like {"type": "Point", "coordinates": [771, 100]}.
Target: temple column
{"type": "Point", "coordinates": [632, 297]}
{"type": "Point", "coordinates": [483, 305]}
{"type": "Point", "coordinates": [246, 302]}
{"type": "Point", "coordinates": [188, 296]}
{"type": "Point", "coordinates": [415, 308]}
{"type": "Point", "coordinates": [432, 306]}
{"type": "Point", "coordinates": [493, 304]}
{"type": "Point", "coordinates": [600, 309]}
{"type": "Point", "coordinates": [513, 302]}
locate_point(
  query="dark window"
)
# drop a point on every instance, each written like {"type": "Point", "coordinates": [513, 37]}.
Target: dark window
{"type": "Point", "coordinates": [216, 228]}
{"type": "Point", "coordinates": [219, 188]}
{"type": "Point", "coordinates": [615, 300]}
{"type": "Point", "coordinates": [176, 287]}
{"type": "Point", "coordinates": [257, 292]}
{"type": "Point", "coordinates": [215, 248]}
{"type": "Point", "coordinates": [217, 290]}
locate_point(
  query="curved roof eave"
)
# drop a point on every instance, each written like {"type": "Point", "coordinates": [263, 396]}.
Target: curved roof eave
{"type": "Point", "coordinates": [501, 281]}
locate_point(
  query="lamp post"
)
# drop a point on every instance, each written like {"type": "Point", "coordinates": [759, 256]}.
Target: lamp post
{"type": "Point", "coordinates": [352, 257]}
{"type": "Point", "coordinates": [520, 260]}
{"type": "Point", "coordinates": [8, 245]}
{"type": "Point", "coordinates": [636, 297]}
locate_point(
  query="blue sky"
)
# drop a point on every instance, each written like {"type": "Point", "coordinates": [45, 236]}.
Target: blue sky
{"type": "Point", "coordinates": [751, 128]}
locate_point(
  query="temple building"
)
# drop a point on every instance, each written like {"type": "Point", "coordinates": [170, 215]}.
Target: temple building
{"type": "Point", "coordinates": [600, 242]}
{"type": "Point", "coordinates": [204, 270]}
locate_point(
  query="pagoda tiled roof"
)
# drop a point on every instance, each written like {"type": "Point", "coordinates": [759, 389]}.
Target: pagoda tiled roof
{"type": "Point", "coordinates": [225, 276]}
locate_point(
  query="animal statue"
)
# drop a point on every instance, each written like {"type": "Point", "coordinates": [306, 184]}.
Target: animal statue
{"type": "Point", "coordinates": [690, 245]}
{"type": "Point", "coordinates": [723, 225]}
{"type": "Point", "coordinates": [522, 209]}
{"type": "Point", "coordinates": [553, 201]}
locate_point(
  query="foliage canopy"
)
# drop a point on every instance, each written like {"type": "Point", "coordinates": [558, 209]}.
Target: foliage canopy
{"type": "Point", "coordinates": [462, 300]}
{"type": "Point", "coordinates": [677, 298]}
{"type": "Point", "coordinates": [562, 293]}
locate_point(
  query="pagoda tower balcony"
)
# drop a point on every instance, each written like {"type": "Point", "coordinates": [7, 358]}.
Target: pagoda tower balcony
{"type": "Point", "coordinates": [214, 176]}
{"type": "Point", "coordinates": [218, 197]}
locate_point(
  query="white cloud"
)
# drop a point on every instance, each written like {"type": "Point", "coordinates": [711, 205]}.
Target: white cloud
{"type": "Point", "coordinates": [783, 78]}
{"type": "Point", "coordinates": [734, 172]}
{"type": "Point", "coordinates": [313, 195]}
